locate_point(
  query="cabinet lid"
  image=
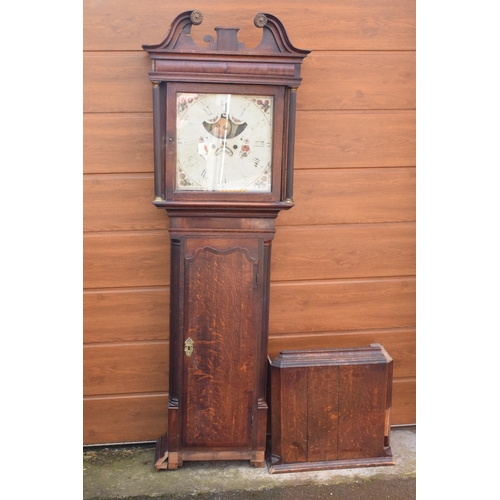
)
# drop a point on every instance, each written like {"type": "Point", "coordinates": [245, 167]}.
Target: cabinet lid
{"type": "Point", "coordinates": [373, 354]}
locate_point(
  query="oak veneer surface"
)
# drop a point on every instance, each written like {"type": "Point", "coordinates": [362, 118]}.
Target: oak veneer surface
{"type": "Point", "coordinates": [344, 256]}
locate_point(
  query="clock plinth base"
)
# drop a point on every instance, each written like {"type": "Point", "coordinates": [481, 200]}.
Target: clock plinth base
{"type": "Point", "coordinates": [172, 460]}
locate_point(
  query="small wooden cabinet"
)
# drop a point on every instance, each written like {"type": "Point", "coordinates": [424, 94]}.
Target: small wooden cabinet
{"type": "Point", "coordinates": [330, 409]}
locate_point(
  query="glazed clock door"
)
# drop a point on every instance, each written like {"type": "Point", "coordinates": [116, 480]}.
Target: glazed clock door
{"type": "Point", "coordinates": [221, 343]}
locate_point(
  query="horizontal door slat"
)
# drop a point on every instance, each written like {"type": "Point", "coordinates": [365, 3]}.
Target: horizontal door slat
{"type": "Point", "coordinates": [404, 410]}
{"type": "Point", "coordinates": [342, 305]}
{"type": "Point", "coordinates": [126, 259]}
{"type": "Point", "coordinates": [144, 418]}
{"type": "Point", "coordinates": [118, 142]}
{"type": "Point", "coordinates": [125, 419]}
{"type": "Point", "coordinates": [361, 80]}
{"type": "Point", "coordinates": [126, 315]}
{"type": "Point", "coordinates": [125, 369]}
{"type": "Point", "coordinates": [351, 196]}
{"type": "Point", "coordinates": [116, 82]}
{"type": "Point", "coordinates": [119, 82]}
{"type": "Point", "coordinates": [343, 251]}
{"type": "Point", "coordinates": [121, 203]}
{"type": "Point", "coordinates": [352, 140]}
{"type": "Point", "coordinates": [341, 25]}
{"type": "Point", "coordinates": [121, 142]}
{"type": "Point", "coordinates": [322, 252]}
{"type": "Point", "coordinates": [295, 308]}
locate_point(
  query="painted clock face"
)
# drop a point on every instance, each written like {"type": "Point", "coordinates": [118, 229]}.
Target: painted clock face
{"type": "Point", "coordinates": [224, 142]}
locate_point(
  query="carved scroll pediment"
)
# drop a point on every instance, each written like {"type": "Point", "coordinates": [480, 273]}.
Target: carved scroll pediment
{"type": "Point", "coordinates": [274, 37]}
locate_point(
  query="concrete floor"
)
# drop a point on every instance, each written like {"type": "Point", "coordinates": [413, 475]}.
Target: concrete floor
{"type": "Point", "coordinates": [128, 472]}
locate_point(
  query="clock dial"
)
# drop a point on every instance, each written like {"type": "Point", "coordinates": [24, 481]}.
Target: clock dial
{"type": "Point", "coordinates": [224, 142]}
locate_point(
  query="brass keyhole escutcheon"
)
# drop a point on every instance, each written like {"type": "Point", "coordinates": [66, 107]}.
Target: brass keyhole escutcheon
{"type": "Point", "coordinates": [189, 347]}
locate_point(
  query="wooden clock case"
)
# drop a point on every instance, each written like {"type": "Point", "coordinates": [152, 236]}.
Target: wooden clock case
{"type": "Point", "coordinates": [220, 246]}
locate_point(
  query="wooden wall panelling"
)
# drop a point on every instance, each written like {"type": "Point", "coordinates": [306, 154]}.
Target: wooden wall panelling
{"type": "Point", "coordinates": [125, 259]}
{"type": "Point", "coordinates": [323, 306]}
{"type": "Point", "coordinates": [404, 402]}
{"type": "Point", "coordinates": [120, 202]}
{"type": "Point", "coordinates": [343, 251]}
{"type": "Point", "coordinates": [125, 368]}
{"type": "Point", "coordinates": [340, 25]}
{"type": "Point", "coordinates": [352, 196]}
{"type": "Point", "coordinates": [118, 82]}
{"type": "Point", "coordinates": [327, 196]}
{"type": "Point", "coordinates": [126, 315]}
{"type": "Point", "coordinates": [121, 142]}
{"type": "Point", "coordinates": [138, 258]}
{"type": "Point", "coordinates": [327, 139]}
{"type": "Point", "coordinates": [124, 418]}
{"type": "Point", "coordinates": [358, 80]}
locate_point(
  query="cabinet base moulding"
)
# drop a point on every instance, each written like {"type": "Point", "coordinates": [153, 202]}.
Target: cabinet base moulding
{"type": "Point", "coordinates": [274, 467]}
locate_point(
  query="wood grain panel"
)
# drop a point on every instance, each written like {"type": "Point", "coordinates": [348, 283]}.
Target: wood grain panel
{"type": "Point", "coordinates": [352, 195]}
{"type": "Point", "coordinates": [360, 80]}
{"type": "Point", "coordinates": [326, 139]}
{"type": "Point", "coordinates": [116, 82]}
{"type": "Point", "coordinates": [119, 82]}
{"type": "Point", "coordinates": [404, 402]}
{"type": "Point", "coordinates": [319, 25]}
{"type": "Point", "coordinates": [124, 419]}
{"type": "Point", "coordinates": [120, 202]}
{"type": "Point", "coordinates": [343, 251]}
{"type": "Point", "coordinates": [126, 315]}
{"type": "Point", "coordinates": [322, 413]}
{"type": "Point", "coordinates": [126, 259]}
{"type": "Point", "coordinates": [124, 369]}
{"type": "Point", "coordinates": [118, 142]}
{"type": "Point", "coordinates": [342, 305]}
{"type": "Point", "coordinates": [399, 343]}
{"type": "Point", "coordinates": [362, 405]}
{"type": "Point", "coordinates": [294, 415]}
{"type": "Point", "coordinates": [123, 202]}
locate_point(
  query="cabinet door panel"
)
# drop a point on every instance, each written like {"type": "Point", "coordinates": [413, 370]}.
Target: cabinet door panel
{"type": "Point", "coordinates": [363, 390]}
{"type": "Point", "coordinates": [221, 299]}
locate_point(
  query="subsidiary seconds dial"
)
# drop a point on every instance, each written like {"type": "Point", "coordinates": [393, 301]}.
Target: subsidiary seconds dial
{"type": "Point", "coordinates": [224, 142]}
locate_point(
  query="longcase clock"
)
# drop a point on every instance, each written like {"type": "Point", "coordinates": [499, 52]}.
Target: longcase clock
{"type": "Point", "coordinates": [224, 125]}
